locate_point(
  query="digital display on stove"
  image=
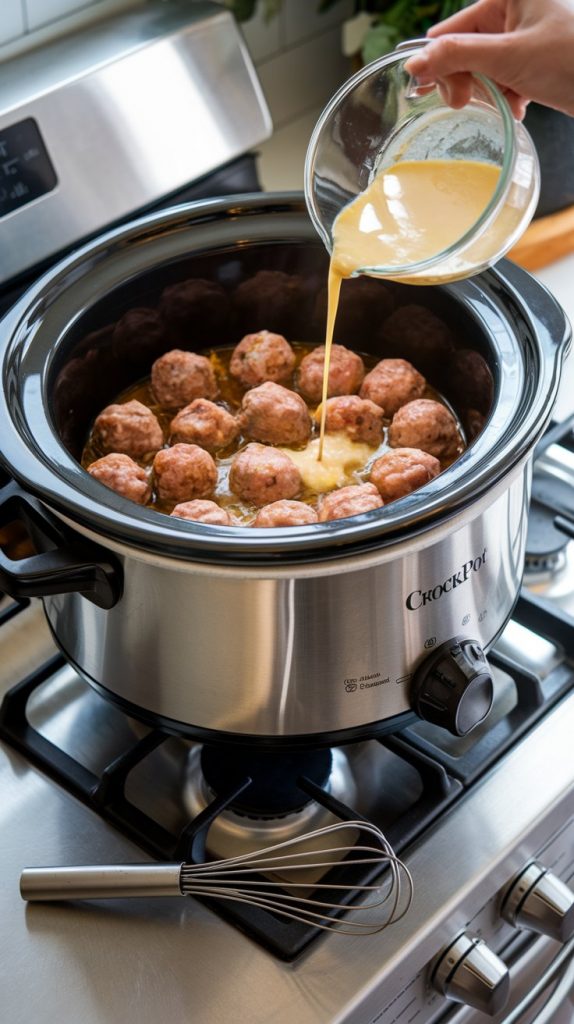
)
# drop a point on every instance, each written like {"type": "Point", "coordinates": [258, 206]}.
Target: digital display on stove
{"type": "Point", "coordinates": [26, 171]}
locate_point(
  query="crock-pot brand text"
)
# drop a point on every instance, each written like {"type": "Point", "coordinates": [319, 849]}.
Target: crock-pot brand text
{"type": "Point", "coordinates": [418, 598]}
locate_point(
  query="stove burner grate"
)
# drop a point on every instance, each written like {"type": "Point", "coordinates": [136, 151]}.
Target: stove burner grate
{"type": "Point", "coordinates": [105, 793]}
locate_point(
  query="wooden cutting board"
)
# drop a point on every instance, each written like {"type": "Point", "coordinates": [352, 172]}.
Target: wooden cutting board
{"type": "Point", "coordinates": [546, 240]}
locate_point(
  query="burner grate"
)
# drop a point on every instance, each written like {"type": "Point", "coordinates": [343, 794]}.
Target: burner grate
{"type": "Point", "coordinates": [105, 793]}
{"type": "Point", "coordinates": [14, 607]}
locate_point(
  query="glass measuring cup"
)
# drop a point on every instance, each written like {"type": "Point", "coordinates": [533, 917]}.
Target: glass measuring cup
{"type": "Point", "coordinates": [379, 117]}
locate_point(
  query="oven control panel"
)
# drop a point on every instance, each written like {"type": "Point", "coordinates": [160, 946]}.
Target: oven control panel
{"type": "Point", "coordinates": [26, 171]}
{"type": "Point", "coordinates": [470, 969]}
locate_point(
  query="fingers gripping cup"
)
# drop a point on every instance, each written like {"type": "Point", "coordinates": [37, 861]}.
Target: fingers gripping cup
{"type": "Point", "coordinates": [401, 186]}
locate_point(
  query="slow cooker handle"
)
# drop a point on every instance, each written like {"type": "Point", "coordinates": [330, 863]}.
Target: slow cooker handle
{"type": "Point", "coordinates": [69, 565]}
{"type": "Point", "coordinates": [554, 330]}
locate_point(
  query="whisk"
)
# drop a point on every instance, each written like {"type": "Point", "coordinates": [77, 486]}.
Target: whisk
{"type": "Point", "coordinates": [272, 878]}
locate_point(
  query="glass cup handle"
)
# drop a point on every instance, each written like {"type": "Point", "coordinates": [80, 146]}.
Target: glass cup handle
{"type": "Point", "coordinates": [411, 44]}
{"type": "Point", "coordinates": [413, 90]}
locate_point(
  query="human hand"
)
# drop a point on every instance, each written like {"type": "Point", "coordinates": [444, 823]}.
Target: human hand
{"type": "Point", "coordinates": [524, 46]}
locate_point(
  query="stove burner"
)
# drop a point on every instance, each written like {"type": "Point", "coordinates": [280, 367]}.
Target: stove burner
{"type": "Point", "coordinates": [274, 789]}
{"type": "Point", "coordinates": [545, 545]}
{"type": "Point", "coordinates": [546, 542]}
{"type": "Point", "coordinates": [234, 833]}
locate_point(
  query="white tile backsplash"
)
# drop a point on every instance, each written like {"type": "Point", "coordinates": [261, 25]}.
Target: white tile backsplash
{"type": "Point", "coordinates": [263, 36]}
{"type": "Point", "coordinates": [41, 12]}
{"type": "Point", "coordinates": [304, 77]}
{"type": "Point", "coordinates": [281, 159]}
{"type": "Point", "coordinates": [301, 18]}
{"type": "Point", "coordinates": [12, 22]}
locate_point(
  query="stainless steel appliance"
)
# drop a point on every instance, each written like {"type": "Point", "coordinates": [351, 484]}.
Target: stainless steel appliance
{"type": "Point", "coordinates": [485, 823]}
{"type": "Point", "coordinates": [157, 105]}
{"type": "Point", "coordinates": [327, 627]}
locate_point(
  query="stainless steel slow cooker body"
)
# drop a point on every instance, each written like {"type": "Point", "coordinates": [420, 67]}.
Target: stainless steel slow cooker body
{"type": "Point", "coordinates": [300, 635]}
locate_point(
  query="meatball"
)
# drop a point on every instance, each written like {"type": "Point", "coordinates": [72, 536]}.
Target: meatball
{"type": "Point", "coordinates": [358, 417]}
{"type": "Point", "coordinates": [349, 501]}
{"type": "Point", "coordinates": [428, 425]}
{"type": "Point", "coordinates": [285, 513]}
{"type": "Point", "coordinates": [261, 475]}
{"type": "Point", "coordinates": [402, 471]}
{"type": "Point", "coordinates": [363, 302]}
{"type": "Point", "coordinates": [274, 414]}
{"type": "Point", "coordinates": [184, 472]}
{"type": "Point", "coordinates": [346, 373]}
{"type": "Point", "coordinates": [122, 475]}
{"type": "Point", "coordinates": [195, 308]}
{"type": "Point", "coordinates": [469, 380]}
{"type": "Point", "coordinates": [419, 335]}
{"type": "Point", "coordinates": [139, 337]}
{"type": "Point", "coordinates": [204, 423]}
{"type": "Point", "coordinates": [473, 423]}
{"type": "Point", "coordinates": [179, 377]}
{"type": "Point", "coordinates": [260, 357]}
{"type": "Point", "coordinates": [273, 298]}
{"type": "Point", "coordinates": [392, 383]}
{"type": "Point", "coordinates": [203, 512]}
{"type": "Point", "coordinates": [130, 428]}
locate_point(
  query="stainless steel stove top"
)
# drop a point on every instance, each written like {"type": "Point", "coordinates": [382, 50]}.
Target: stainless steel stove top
{"type": "Point", "coordinates": [176, 959]}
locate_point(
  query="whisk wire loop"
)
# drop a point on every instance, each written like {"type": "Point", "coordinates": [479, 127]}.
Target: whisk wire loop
{"type": "Point", "coordinates": [290, 879]}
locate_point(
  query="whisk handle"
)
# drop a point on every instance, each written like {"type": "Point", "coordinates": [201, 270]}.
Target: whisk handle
{"type": "Point", "coordinates": [100, 882]}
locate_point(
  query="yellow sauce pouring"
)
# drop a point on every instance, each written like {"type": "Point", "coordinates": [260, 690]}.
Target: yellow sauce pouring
{"type": "Point", "coordinates": [410, 212]}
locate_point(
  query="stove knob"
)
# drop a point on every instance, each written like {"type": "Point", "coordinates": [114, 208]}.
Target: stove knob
{"type": "Point", "coordinates": [539, 901]}
{"type": "Point", "coordinates": [453, 687]}
{"type": "Point", "coordinates": [469, 972]}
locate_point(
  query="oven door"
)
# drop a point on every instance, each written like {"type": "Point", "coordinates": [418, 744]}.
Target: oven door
{"type": "Point", "coordinates": [542, 988]}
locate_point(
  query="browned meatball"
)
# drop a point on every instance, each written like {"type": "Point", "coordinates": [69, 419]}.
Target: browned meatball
{"type": "Point", "coordinates": [349, 501]}
{"type": "Point", "coordinates": [346, 372]}
{"type": "Point", "coordinates": [194, 308]}
{"type": "Point", "coordinates": [419, 335]}
{"type": "Point", "coordinates": [363, 304]}
{"type": "Point", "coordinates": [402, 471]}
{"type": "Point", "coordinates": [203, 512]}
{"type": "Point", "coordinates": [204, 423]}
{"type": "Point", "coordinates": [286, 513]}
{"type": "Point", "coordinates": [428, 425]}
{"type": "Point", "coordinates": [260, 357]}
{"type": "Point", "coordinates": [273, 298]}
{"type": "Point", "coordinates": [184, 472]}
{"type": "Point", "coordinates": [274, 414]}
{"type": "Point", "coordinates": [361, 419]}
{"type": "Point", "coordinates": [469, 380]}
{"type": "Point", "coordinates": [122, 475]}
{"type": "Point", "coordinates": [392, 383]}
{"type": "Point", "coordinates": [139, 336]}
{"type": "Point", "coordinates": [473, 423]}
{"type": "Point", "coordinates": [260, 475]}
{"type": "Point", "coordinates": [130, 428]}
{"type": "Point", "coordinates": [179, 377]}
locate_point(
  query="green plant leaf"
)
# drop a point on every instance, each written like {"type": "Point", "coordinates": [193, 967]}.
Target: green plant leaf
{"type": "Point", "coordinates": [271, 9]}
{"type": "Point", "coordinates": [242, 9]}
{"type": "Point", "coordinates": [380, 39]}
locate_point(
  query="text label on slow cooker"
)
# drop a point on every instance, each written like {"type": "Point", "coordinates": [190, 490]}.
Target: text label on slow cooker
{"type": "Point", "coordinates": [418, 598]}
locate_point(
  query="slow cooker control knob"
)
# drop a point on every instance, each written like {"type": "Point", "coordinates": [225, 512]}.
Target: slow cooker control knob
{"type": "Point", "coordinates": [453, 687]}
{"type": "Point", "coordinates": [540, 901]}
{"type": "Point", "coordinates": [469, 972]}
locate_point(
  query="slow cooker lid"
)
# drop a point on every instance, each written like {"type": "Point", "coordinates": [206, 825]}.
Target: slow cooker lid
{"type": "Point", "coordinates": [504, 313]}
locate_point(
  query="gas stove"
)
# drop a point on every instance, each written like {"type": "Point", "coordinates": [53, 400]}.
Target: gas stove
{"type": "Point", "coordinates": [84, 784]}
